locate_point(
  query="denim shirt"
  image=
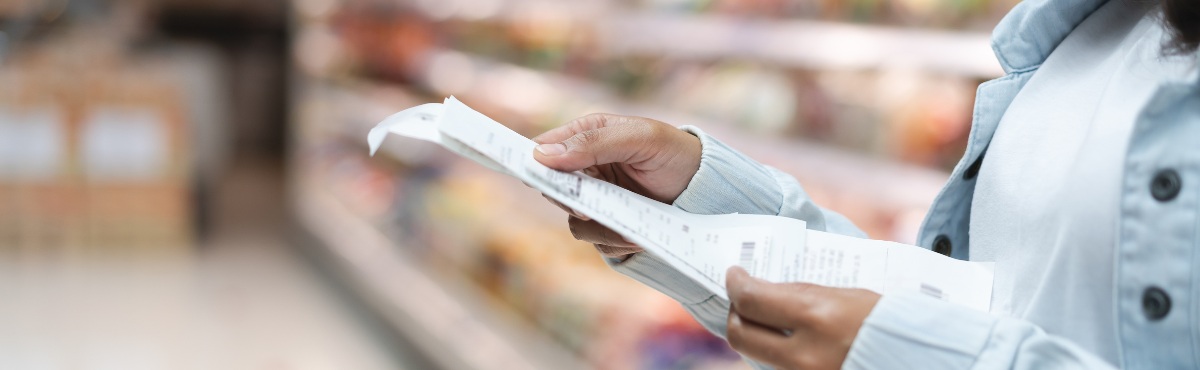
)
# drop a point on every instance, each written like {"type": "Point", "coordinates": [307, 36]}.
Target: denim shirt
{"type": "Point", "coordinates": [1157, 246]}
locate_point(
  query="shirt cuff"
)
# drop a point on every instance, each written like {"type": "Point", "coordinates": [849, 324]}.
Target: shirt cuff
{"type": "Point", "coordinates": [656, 273]}
{"type": "Point", "coordinates": [729, 182]}
{"type": "Point", "coordinates": [912, 331]}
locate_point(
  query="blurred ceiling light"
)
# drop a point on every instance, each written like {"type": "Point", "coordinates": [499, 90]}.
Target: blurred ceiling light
{"type": "Point", "coordinates": [480, 9]}
{"type": "Point", "coordinates": [439, 9]}
{"type": "Point", "coordinates": [315, 9]}
{"type": "Point", "coordinates": [451, 72]}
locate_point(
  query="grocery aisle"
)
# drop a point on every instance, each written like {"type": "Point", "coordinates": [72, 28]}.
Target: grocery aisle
{"type": "Point", "coordinates": [244, 299]}
{"type": "Point", "coordinates": [113, 112]}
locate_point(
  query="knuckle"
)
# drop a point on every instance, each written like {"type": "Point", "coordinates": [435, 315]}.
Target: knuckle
{"type": "Point", "coordinates": [733, 333]}
{"type": "Point", "coordinates": [607, 250]}
{"type": "Point", "coordinates": [746, 301]}
{"type": "Point", "coordinates": [592, 120]}
{"type": "Point", "coordinates": [810, 315]}
{"type": "Point", "coordinates": [573, 224]}
{"type": "Point", "coordinates": [589, 138]}
{"type": "Point", "coordinates": [571, 227]}
{"type": "Point", "coordinates": [665, 130]}
{"type": "Point", "coordinates": [656, 129]}
{"type": "Point", "coordinates": [610, 237]}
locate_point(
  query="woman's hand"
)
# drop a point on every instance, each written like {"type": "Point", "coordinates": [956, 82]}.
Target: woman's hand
{"type": "Point", "coordinates": [647, 157]}
{"type": "Point", "coordinates": [794, 325]}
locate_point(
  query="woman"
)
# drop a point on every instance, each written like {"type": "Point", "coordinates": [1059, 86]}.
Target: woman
{"type": "Point", "coordinates": [1088, 203]}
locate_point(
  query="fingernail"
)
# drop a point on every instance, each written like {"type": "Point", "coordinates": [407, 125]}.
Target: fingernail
{"type": "Point", "coordinates": [552, 149]}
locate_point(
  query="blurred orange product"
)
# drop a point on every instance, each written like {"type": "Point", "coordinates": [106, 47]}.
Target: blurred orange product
{"type": "Point", "coordinates": [37, 194]}
{"type": "Point", "coordinates": [132, 141]}
{"type": "Point", "coordinates": [95, 157]}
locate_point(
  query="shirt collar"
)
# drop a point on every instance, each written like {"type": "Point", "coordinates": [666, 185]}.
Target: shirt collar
{"type": "Point", "coordinates": [1027, 35]}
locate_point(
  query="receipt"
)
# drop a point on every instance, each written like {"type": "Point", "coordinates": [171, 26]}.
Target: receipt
{"type": "Point", "coordinates": [701, 247]}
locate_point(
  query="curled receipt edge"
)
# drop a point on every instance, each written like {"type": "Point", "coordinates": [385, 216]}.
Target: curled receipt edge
{"type": "Point", "coordinates": [700, 247]}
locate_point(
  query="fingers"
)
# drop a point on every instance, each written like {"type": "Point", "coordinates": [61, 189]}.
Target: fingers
{"type": "Point", "coordinates": [610, 144]}
{"type": "Point", "coordinates": [756, 341]}
{"type": "Point", "coordinates": [607, 242]}
{"type": "Point", "coordinates": [567, 209]}
{"type": "Point", "coordinates": [616, 252]}
{"type": "Point", "coordinates": [781, 306]}
{"type": "Point", "coordinates": [820, 323]}
{"type": "Point", "coordinates": [595, 233]}
{"type": "Point", "coordinates": [586, 123]}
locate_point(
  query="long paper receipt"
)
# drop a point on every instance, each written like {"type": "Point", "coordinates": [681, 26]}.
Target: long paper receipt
{"type": "Point", "coordinates": [701, 247]}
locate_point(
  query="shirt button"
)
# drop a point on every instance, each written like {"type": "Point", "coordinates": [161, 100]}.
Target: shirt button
{"type": "Point", "coordinates": [941, 244]}
{"type": "Point", "coordinates": [1165, 185]}
{"type": "Point", "coordinates": [973, 169]}
{"type": "Point", "coordinates": [1156, 304]}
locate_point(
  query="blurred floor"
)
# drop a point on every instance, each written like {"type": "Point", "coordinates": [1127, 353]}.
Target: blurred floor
{"type": "Point", "coordinates": [243, 300]}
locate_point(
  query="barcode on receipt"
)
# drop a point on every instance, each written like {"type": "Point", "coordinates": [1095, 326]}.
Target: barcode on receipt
{"type": "Point", "coordinates": [747, 258]}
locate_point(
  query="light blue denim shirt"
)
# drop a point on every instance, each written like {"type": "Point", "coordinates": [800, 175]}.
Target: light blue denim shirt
{"type": "Point", "coordinates": [1157, 244]}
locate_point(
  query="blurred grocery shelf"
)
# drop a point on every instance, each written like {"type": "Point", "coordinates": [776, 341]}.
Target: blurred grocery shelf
{"type": "Point", "coordinates": [446, 314]}
{"type": "Point", "coordinates": [803, 44]}
{"type": "Point", "coordinates": [888, 186]}
{"type": "Point", "coordinates": [866, 103]}
{"type": "Point", "coordinates": [142, 216]}
{"type": "Point", "coordinates": [806, 43]}
{"type": "Point", "coordinates": [120, 119]}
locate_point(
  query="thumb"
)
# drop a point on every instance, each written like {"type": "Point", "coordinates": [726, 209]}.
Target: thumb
{"type": "Point", "coordinates": [614, 144]}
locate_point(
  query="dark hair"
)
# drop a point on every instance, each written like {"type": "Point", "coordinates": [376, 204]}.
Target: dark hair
{"type": "Point", "coordinates": [1183, 22]}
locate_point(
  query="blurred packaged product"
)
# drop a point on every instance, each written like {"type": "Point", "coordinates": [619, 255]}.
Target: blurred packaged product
{"type": "Point", "coordinates": [452, 215]}
{"type": "Point", "coordinates": [36, 192]}
{"type": "Point", "coordinates": [767, 96]}
{"type": "Point", "coordinates": [134, 157]}
{"type": "Point", "coordinates": [847, 96]}
{"type": "Point", "coordinates": [98, 146]}
{"type": "Point", "coordinates": [957, 14]}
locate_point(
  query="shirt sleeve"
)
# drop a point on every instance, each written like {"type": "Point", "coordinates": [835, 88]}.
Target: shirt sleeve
{"type": "Point", "coordinates": [911, 331]}
{"type": "Point", "coordinates": [902, 331]}
{"type": "Point", "coordinates": [728, 182]}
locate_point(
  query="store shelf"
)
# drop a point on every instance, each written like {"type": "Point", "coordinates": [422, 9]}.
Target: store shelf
{"type": "Point", "coordinates": [801, 44]}
{"type": "Point", "coordinates": [460, 244]}
{"type": "Point", "coordinates": [837, 175]}
{"type": "Point", "coordinates": [447, 317]}
{"type": "Point", "coordinates": [794, 43]}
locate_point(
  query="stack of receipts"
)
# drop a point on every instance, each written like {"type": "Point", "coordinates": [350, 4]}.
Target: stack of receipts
{"type": "Point", "coordinates": [701, 247]}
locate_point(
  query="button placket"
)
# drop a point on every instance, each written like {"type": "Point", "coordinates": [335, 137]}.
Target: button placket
{"type": "Point", "coordinates": [973, 170]}
{"type": "Point", "coordinates": [1156, 303]}
{"type": "Point", "coordinates": [941, 244]}
{"type": "Point", "coordinates": [1165, 185]}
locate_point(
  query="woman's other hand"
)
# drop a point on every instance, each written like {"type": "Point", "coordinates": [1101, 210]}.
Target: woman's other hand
{"type": "Point", "coordinates": [647, 157]}
{"type": "Point", "coordinates": [794, 325]}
